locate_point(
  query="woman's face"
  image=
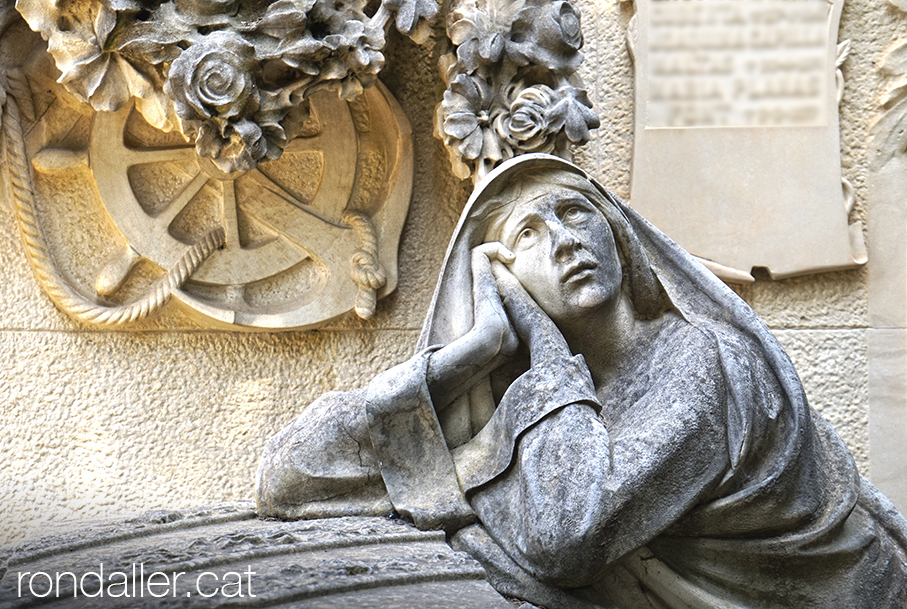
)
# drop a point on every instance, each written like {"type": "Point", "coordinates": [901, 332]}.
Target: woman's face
{"type": "Point", "coordinates": [566, 257]}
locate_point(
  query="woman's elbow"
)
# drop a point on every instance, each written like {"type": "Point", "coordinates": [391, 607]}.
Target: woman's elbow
{"type": "Point", "coordinates": [322, 455]}
{"type": "Point", "coordinates": [563, 555]}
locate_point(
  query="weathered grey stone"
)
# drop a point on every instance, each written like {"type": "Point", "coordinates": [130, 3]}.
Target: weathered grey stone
{"type": "Point", "coordinates": [226, 556]}
{"type": "Point", "coordinates": [647, 443]}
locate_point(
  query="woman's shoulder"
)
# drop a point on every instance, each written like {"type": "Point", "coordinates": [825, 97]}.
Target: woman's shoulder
{"type": "Point", "coordinates": [682, 340]}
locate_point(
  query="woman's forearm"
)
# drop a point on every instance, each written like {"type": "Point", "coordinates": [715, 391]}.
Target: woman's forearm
{"type": "Point", "coordinates": [455, 367]}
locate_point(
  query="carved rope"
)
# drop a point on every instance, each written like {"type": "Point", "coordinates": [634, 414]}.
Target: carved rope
{"type": "Point", "coordinates": [55, 285]}
{"type": "Point", "coordinates": [365, 269]}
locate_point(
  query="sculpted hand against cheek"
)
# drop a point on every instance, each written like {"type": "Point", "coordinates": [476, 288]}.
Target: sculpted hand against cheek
{"type": "Point", "coordinates": [601, 422]}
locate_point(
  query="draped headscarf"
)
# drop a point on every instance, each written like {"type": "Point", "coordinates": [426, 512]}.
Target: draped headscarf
{"type": "Point", "coordinates": [658, 274]}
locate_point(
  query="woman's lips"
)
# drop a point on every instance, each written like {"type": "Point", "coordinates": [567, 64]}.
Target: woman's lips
{"type": "Point", "coordinates": [578, 270]}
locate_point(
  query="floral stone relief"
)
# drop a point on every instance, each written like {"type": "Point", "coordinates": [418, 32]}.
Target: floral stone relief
{"type": "Point", "coordinates": [216, 136]}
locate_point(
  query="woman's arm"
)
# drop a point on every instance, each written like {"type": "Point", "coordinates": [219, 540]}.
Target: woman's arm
{"type": "Point", "coordinates": [491, 341]}
{"type": "Point", "coordinates": [578, 496]}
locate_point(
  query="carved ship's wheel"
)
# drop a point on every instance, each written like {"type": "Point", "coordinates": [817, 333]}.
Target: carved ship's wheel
{"type": "Point", "coordinates": [286, 262]}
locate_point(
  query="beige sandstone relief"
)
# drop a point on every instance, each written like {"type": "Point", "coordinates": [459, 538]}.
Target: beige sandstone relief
{"type": "Point", "coordinates": [119, 210]}
{"type": "Point", "coordinates": [244, 159]}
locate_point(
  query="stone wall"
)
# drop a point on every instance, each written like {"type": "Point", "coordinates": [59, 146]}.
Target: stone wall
{"type": "Point", "coordinates": [168, 413]}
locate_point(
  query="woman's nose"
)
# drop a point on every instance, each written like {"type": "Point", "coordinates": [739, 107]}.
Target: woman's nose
{"type": "Point", "coordinates": [563, 242]}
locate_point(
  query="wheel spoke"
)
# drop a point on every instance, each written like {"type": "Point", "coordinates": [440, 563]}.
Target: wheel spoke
{"type": "Point", "coordinates": [305, 144]}
{"type": "Point", "coordinates": [141, 156]}
{"type": "Point", "coordinates": [230, 213]}
{"type": "Point", "coordinates": [262, 179]}
{"type": "Point", "coordinates": [181, 200]}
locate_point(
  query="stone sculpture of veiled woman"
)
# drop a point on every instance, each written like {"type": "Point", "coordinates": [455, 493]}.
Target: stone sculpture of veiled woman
{"type": "Point", "coordinates": [599, 421]}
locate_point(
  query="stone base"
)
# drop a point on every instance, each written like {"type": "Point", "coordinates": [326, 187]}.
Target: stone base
{"type": "Point", "coordinates": [226, 555]}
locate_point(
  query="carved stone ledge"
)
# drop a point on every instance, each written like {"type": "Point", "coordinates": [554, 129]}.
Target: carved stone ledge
{"type": "Point", "coordinates": [225, 555]}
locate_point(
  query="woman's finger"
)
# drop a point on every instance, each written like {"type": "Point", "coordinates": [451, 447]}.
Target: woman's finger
{"type": "Point", "coordinates": [489, 313]}
{"type": "Point", "coordinates": [532, 324]}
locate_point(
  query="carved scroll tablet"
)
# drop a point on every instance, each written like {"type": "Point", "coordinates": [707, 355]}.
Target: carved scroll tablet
{"type": "Point", "coordinates": [736, 152]}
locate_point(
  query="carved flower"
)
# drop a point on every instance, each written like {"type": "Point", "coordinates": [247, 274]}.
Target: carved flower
{"type": "Point", "coordinates": [548, 34]}
{"type": "Point", "coordinates": [480, 35]}
{"type": "Point", "coordinates": [356, 57]}
{"type": "Point", "coordinates": [572, 112]}
{"type": "Point", "coordinates": [468, 122]}
{"type": "Point", "coordinates": [527, 126]}
{"type": "Point", "coordinates": [213, 78]}
{"type": "Point", "coordinates": [214, 92]}
{"type": "Point", "coordinates": [234, 146]}
{"type": "Point", "coordinates": [465, 114]}
{"type": "Point", "coordinates": [414, 17]}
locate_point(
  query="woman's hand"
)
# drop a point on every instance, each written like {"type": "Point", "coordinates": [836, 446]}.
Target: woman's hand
{"type": "Point", "coordinates": [492, 340]}
{"type": "Point", "coordinates": [532, 324]}
{"type": "Point", "coordinates": [491, 324]}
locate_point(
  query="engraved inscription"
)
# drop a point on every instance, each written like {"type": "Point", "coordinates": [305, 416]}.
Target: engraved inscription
{"type": "Point", "coordinates": [738, 63]}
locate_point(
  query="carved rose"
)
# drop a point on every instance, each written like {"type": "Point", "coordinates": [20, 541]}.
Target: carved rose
{"type": "Point", "coordinates": [547, 34]}
{"type": "Point", "coordinates": [213, 78]}
{"type": "Point", "coordinates": [213, 88]}
{"type": "Point", "coordinates": [567, 18]}
{"type": "Point", "coordinates": [528, 125]}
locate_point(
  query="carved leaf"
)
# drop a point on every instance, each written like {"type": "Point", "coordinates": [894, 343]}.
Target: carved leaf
{"type": "Point", "coordinates": [574, 114]}
{"type": "Point", "coordinates": [843, 51]}
{"type": "Point", "coordinates": [155, 106]}
{"type": "Point", "coordinates": [286, 18]}
{"type": "Point", "coordinates": [890, 129]}
{"type": "Point", "coordinates": [124, 5]}
{"type": "Point", "coordinates": [156, 40]}
{"type": "Point", "coordinates": [41, 15]}
{"type": "Point", "coordinates": [413, 17]}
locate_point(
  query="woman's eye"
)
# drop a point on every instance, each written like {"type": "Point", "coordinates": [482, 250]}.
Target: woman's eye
{"type": "Point", "coordinates": [526, 233]}
{"type": "Point", "coordinates": [571, 213]}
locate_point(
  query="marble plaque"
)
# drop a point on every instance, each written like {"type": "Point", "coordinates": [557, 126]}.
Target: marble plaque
{"type": "Point", "coordinates": [736, 153]}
